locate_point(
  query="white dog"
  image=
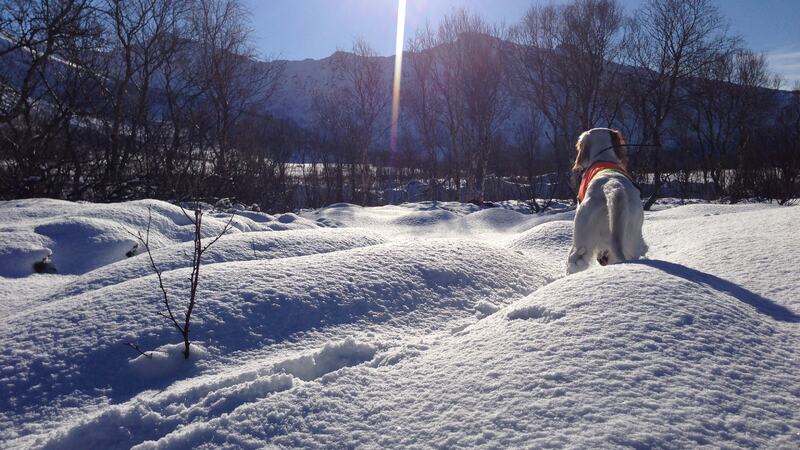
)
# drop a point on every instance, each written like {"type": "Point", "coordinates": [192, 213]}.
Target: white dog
{"type": "Point", "coordinates": [608, 222]}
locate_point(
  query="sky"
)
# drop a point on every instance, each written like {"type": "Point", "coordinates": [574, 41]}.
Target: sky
{"type": "Point", "coordinates": [299, 29]}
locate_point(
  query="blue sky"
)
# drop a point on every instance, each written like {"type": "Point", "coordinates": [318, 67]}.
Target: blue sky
{"type": "Point", "coordinates": [299, 29]}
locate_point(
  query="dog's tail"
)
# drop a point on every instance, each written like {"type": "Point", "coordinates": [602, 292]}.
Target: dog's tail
{"type": "Point", "coordinates": [615, 201]}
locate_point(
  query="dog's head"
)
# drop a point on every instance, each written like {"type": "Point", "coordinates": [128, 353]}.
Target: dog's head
{"type": "Point", "coordinates": [599, 144]}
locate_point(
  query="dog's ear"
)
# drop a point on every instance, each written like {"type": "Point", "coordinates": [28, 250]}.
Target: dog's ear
{"type": "Point", "coordinates": [583, 151]}
{"type": "Point", "coordinates": [618, 141]}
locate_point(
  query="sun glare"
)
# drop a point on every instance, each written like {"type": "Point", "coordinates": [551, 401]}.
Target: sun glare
{"type": "Point", "coordinates": [398, 71]}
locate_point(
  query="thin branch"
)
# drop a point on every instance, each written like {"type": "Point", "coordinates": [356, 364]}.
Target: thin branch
{"type": "Point", "coordinates": [183, 210]}
{"type": "Point", "coordinates": [136, 347]}
{"type": "Point", "coordinates": [224, 230]}
{"type": "Point", "coordinates": [146, 242]}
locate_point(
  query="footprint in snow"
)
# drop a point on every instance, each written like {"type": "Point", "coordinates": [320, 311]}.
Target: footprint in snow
{"type": "Point", "coordinates": [535, 312]}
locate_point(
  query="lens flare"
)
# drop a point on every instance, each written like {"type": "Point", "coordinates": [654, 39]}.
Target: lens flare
{"type": "Point", "coordinates": [398, 72]}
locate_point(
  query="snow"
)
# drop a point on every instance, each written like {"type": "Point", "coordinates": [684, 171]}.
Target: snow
{"type": "Point", "coordinates": [416, 325]}
{"type": "Point", "coordinates": [165, 360]}
{"type": "Point", "coordinates": [82, 237]}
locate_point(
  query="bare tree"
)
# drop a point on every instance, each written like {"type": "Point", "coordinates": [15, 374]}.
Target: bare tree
{"type": "Point", "coordinates": [530, 160]}
{"type": "Point", "coordinates": [670, 41]}
{"type": "Point", "coordinates": [424, 104]}
{"type": "Point", "coordinates": [728, 105]}
{"type": "Point", "coordinates": [231, 82]}
{"type": "Point", "coordinates": [270, 142]}
{"type": "Point", "coordinates": [470, 82]}
{"type": "Point", "coordinates": [181, 143]}
{"type": "Point", "coordinates": [38, 94]}
{"type": "Point", "coordinates": [486, 105]}
{"type": "Point", "coordinates": [332, 141]}
{"type": "Point", "coordinates": [364, 94]}
{"type": "Point", "coordinates": [566, 67]}
{"type": "Point", "coordinates": [783, 147]}
{"type": "Point", "coordinates": [141, 39]}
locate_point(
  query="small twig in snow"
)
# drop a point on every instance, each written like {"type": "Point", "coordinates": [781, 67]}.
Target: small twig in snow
{"type": "Point", "coordinates": [136, 347]}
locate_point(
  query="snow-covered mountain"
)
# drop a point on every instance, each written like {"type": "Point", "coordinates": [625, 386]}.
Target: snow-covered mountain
{"type": "Point", "coordinates": [419, 325]}
{"type": "Point", "coordinates": [302, 80]}
{"type": "Point", "coordinates": [292, 98]}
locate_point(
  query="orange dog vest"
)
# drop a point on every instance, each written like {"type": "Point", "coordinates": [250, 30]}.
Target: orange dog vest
{"type": "Point", "coordinates": [594, 170]}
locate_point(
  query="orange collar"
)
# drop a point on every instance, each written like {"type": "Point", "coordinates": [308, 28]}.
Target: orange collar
{"type": "Point", "coordinates": [592, 172]}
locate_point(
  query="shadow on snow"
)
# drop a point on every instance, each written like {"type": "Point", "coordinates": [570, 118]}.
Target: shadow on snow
{"type": "Point", "coordinates": [761, 304]}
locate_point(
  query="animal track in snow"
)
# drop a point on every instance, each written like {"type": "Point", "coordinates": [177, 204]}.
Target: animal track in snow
{"type": "Point", "coordinates": [535, 312]}
{"type": "Point", "coordinates": [330, 358]}
{"type": "Point", "coordinates": [212, 397]}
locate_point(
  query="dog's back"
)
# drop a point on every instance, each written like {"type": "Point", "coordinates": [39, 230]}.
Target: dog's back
{"type": "Point", "coordinates": [608, 222]}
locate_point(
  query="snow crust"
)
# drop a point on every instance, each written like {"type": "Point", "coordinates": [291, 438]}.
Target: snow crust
{"type": "Point", "coordinates": [165, 360]}
{"type": "Point", "coordinates": [81, 237]}
{"type": "Point", "coordinates": [416, 325]}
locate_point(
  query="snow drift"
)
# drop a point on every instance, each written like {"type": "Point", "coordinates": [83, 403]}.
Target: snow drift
{"type": "Point", "coordinates": [419, 325]}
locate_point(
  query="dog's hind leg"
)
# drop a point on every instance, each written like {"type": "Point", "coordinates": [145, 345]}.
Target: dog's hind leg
{"type": "Point", "coordinates": [577, 261]}
{"type": "Point", "coordinates": [602, 258]}
{"type": "Point", "coordinates": [615, 200]}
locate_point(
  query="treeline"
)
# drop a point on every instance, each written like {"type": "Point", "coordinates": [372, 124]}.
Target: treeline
{"type": "Point", "coordinates": [116, 99]}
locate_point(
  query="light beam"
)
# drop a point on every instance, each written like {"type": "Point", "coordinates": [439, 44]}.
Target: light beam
{"type": "Point", "coordinates": [398, 72]}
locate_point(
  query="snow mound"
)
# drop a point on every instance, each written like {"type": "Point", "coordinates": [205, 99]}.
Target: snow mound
{"type": "Point", "coordinates": [494, 219]}
{"type": "Point", "coordinates": [425, 218]}
{"type": "Point", "coordinates": [614, 364]}
{"type": "Point", "coordinates": [550, 237]}
{"type": "Point", "coordinates": [81, 245]}
{"type": "Point", "coordinates": [418, 325]}
{"type": "Point", "coordinates": [17, 294]}
{"type": "Point", "coordinates": [548, 243]}
{"type": "Point", "coordinates": [242, 306]}
{"type": "Point", "coordinates": [755, 247]}
{"type": "Point", "coordinates": [255, 216]}
{"type": "Point", "coordinates": [231, 248]}
{"type": "Point", "coordinates": [17, 259]}
{"type": "Point", "coordinates": [290, 221]}
{"type": "Point", "coordinates": [435, 219]}
{"type": "Point", "coordinates": [74, 245]}
{"type": "Point", "coordinates": [705, 209]}
{"type": "Point", "coordinates": [80, 237]}
{"type": "Point", "coordinates": [288, 218]}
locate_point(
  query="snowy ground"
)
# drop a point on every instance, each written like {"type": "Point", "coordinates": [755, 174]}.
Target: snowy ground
{"type": "Point", "coordinates": [421, 325]}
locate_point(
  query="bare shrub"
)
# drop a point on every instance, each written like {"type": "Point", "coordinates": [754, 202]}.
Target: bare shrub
{"type": "Point", "coordinates": [181, 322]}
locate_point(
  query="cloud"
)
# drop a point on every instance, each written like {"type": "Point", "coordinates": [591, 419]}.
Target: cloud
{"type": "Point", "coordinates": [785, 61]}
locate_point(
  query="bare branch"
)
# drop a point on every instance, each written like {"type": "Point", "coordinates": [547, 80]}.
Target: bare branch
{"type": "Point", "coordinates": [136, 347]}
{"type": "Point", "coordinates": [165, 298]}
{"type": "Point", "coordinates": [225, 229]}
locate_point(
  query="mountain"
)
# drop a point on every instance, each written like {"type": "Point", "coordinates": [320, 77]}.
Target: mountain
{"type": "Point", "coordinates": [292, 98]}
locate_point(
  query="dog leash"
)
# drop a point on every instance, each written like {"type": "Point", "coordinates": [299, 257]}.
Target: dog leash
{"type": "Point", "coordinates": [635, 184]}
{"type": "Point", "coordinates": [626, 145]}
